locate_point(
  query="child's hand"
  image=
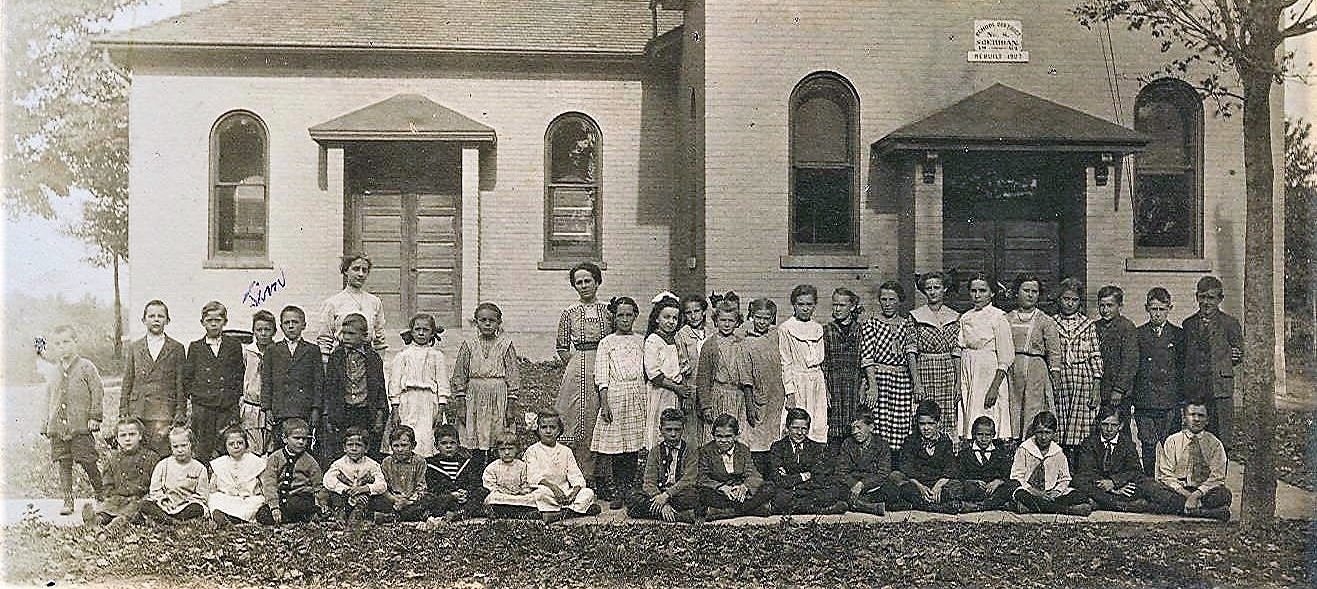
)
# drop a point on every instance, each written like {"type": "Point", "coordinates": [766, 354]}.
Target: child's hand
{"type": "Point", "coordinates": [790, 401]}
{"type": "Point", "coordinates": [1106, 485]}
{"type": "Point", "coordinates": [367, 479]}
{"type": "Point", "coordinates": [460, 495]}
{"type": "Point", "coordinates": [1095, 400]}
{"type": "Point", "coordinates": [990, 487]}
{"type": "Point", "coordinates": [605, 413]}
{"type": "Point", "coordinates": [990, 399]}
{"type": "Point", "coordinates": [659, 501]}
{"type": "Point", "coordinates": [751, 415]}
{"type": "Point", "coordinates": [277, 515]}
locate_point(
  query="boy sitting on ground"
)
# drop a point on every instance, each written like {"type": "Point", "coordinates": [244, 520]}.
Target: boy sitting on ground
{"type": "Point", "coordinates": [354, 480]}
{"type": "Point", "coordinates": [453, 476]}
{"type": "Point", "coordinates": [292, 481]}
{"type": "Point", "coordinates": [406, 497]}
{"type": "Point", "coordinates": [801, 472]}
{"type": "Point", "coordinates": [983, 469]}
{"type": "Point", "coordinates": [667, 490]}
{"type": "Point", "coordinates": [1191, 471]}
{"type": "Point", "coordinates": [127, 478]}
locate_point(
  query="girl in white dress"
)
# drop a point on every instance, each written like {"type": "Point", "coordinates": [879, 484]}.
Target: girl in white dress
{"type": "Point", "coordinates": [800, 342]}
{"type": "Point", "coordinates": [988, 350]}
{"type": "Point", "coordinates": [419, 390]}
{"type": "Point", "coordinates": [237, 495]}
{"type": "Point", "coordinates": [668, 386]}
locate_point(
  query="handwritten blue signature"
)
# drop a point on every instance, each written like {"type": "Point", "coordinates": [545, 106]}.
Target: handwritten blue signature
{"type": "Point", "coordinates": [257, 294]}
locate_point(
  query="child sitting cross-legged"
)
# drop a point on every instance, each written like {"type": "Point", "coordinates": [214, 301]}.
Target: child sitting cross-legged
{"type": "Point", "coordinates": [292, 481]}
{"type": "Point", "coordinates": [726, 477]}
{"type": "Point", "coordinates": [127, 478]}
{"type": "Point", "coordinates": [511, 493]}
{"type": "Point", "coordinates": [667, 489]}
{"type": "Point", "coordinates": [983, 469]}
{"type": "Point", "coordinates": [928, 467]}
{"type": "Point", "coordinates": [354, 480]}
{"type": "Point", "coordinates": [406, 496]}
{"type": "Point", "coordinates": [179, 483]}
{"type": "Point", "coordinates": [453, 476]}
{"type": "Point", "coordinates": [237, 495]}
{"type": "Point", "coordinates": [552, 467]}
{"type": "Point", "coordinates": [864, 468]}
{"type": "Point", "coordinates": [801, 471]}
{"type": "Point", "coordinates": [1043, 472]}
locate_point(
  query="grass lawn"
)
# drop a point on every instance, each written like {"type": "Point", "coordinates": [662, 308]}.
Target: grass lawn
{"type": "Point", "coordinates": [527, 554]}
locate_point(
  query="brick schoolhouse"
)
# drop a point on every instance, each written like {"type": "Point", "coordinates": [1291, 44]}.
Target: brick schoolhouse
{"type": "Point", "coordinates": [477, 148]}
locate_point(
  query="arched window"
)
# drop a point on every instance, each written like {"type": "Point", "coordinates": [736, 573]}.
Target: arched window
{"type": "Point", "coordinates": [572, 189]}
{"type": "Point", "coordinates": [239, 193]}
{"type": "Point", "coordinates": [825, 122]}
{"type": "Point", "coordinates": [1168, 175]}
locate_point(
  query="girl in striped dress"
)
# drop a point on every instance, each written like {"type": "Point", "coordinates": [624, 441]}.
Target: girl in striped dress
{"type": "Point", "coordinates": [987, 352]}
{"type": "Point", "coordinates": [1037, 355]}
{"type": "Point", "coordinates": [724, 382]}
{"type": "Point", "coordinates": [667, 387]}
{"type": "Point", "coordinates": [887, 343]}
{"type": "Point", "coordinates": [1079, 382]}
{"type": "Point", "coordinates": [841, 363]}
{"type": "Point", "coordinates": [937, 363]}
{"type": "Point", "coordinates": [580, 328]}
{"type": "Point", "coordinates": [620, 378]}
{"type": "Point", "coordinates": [485, 381]}
{"type": "Point", "coordinates": [800, 340]}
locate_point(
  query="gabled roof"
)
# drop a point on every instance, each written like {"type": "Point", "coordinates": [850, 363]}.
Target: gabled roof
{"type": "Point", "coordinates": [405, 117]}
{"type": "Point", "coordinates": [536, 26]}
{"type": "Point", "coordinates": [1001, 117]}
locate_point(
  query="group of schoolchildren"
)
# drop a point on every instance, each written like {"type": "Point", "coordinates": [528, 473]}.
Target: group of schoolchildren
{"type": "Point", "coordinates": [708, 436]}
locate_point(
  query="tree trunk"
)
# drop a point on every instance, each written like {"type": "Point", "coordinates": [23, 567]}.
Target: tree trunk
{"type": "Point", "coordinates": [1259, 403]}
{"type": "Point", "coordinates": [118, 310]}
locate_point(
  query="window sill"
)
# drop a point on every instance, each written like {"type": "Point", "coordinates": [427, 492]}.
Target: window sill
{"type": "Point", "coordinates": [1164, 264]}
{"type": "Point", "coordinates": [237, 264]}
{"type": "Point", "coordinates": [565, 264]}
{"type": "Point", "coordinates": [824, 261]}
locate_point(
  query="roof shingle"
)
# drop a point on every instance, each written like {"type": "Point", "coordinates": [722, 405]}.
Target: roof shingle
{"type": "Point", "coordinates": [596, 26]}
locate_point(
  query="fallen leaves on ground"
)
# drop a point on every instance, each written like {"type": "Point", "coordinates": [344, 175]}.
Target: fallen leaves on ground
{"type": "Point", "coordinates": [527, 554]}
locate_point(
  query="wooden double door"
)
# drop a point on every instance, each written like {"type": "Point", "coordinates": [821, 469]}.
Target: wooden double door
{"type": "Point", "coordinates": [405, 213]}
{"type": "Point", "coordinates": [1007, 214]}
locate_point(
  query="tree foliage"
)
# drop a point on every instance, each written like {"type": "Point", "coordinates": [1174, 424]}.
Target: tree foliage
{"type": "Point", "coordinates": [1300, 254]}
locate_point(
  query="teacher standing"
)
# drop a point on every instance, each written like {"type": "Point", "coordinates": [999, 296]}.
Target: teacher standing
{"type": "Point", "coordinates": [580, 328]}
{"type": "Point", "coordinates": [355, 269]}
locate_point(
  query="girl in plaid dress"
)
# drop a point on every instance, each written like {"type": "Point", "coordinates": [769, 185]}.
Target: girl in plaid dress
{"type": "Point", "coordinates": [580, 328]}
{"type": "Point", "coordinates": [620, 377]}
{"type": "Point", "coordinates": [1078, 385]}
{"type": "Point", "coordinates": [937, 365]}
{"type": "Point", "coordinates": [887, 343]}
{"type": "Point", "coordinates": [841, 363]}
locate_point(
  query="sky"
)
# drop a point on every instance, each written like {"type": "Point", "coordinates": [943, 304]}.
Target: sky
{"type": "Point", "coordinates": [39, 258]}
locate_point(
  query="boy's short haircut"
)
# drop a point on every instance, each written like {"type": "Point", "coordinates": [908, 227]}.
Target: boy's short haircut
{"type": "Point", "coordinates": [130, 420]}
{"type": "Point", "coordinates": [727, 420]}
{"type": "Point", "coordinates": [181, 430]}
{"type": "Point", "coordinates": [291, 425]}
{"type": "Point", "coordinates": [293, 309]}
{"type": "Point", "coordinates": [155, 303]}
{"type": "Point", "coordinates": [354, 431]}
{"type": "Point", "coordinates": [68, 329]}
{"type": "Point", "coordinates": [263, 315]}
{"type": "Point", "coordinates": [1208, 284]}
{"type": "Point", "coordinates": [797, 414]}
{"type": "Point", "coordinates": [928, 408]}
{"type": "Point", "coordinates": [1185, 409]}
{"type": "Point", "coordinates": [1113, 291]}
{"type": "Point", "coordinates": [547, 416]}
{"type": "Point", "coordinates": [506, 439]}
{"type": "Point", "coordinates": [984, 421]}
{"type": "Point", "coordinates": [214, 306]}
{"type": "Point", "coordinates": [356, 319]}
{"type": "Point", "coordinates": [1159, 294]}
{"type": "Point", "coordinates": [804, 289]}
{"type": "Point", "coordinates": [403, 431]}
{"type": "Point", "coordinates": [672, 414]}
{"type": "Point", "coordinates": [446, 430]}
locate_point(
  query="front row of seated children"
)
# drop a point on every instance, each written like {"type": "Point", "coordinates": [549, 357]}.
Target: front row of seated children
{"type": "Point", "coordinates": [717, 480]}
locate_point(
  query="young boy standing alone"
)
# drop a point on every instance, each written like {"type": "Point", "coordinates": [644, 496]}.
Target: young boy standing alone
{"type": "Point", "coordinates": [74, 412]}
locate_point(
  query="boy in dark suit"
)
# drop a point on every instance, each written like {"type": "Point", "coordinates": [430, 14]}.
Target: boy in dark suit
{"type": "Point", "coordinates": [1107, 469]}
{"type": "Point", "coordinates": [1157, 393]}
{"type": "Point", "coordinates": [1119, 347]}
{"type": "Point", "coordinates": [1213, 346]}
{"type": "Point", "coordinates": [153, 378]}
{"type": "Point", "coordinates": [212, 380]}
{"type": "Point", "coordinates": [983, 470]}
{"type": "Point", "coordinates": [864, 469]}
{"type": "Point", "coordinates": [292, 374]}
{"type": "Point", "coordinates": [928, 466]}
{"type": "Point", "coordinates": [801, 472]}
{"type": "Point", "coordinates": [666, 492]}
{"type": "Point", "coordinates": [354, 389]}
{"type": "Point", "coordinates": [453, 476]}
{"type": "Point", "coordinates": [725, 475]}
